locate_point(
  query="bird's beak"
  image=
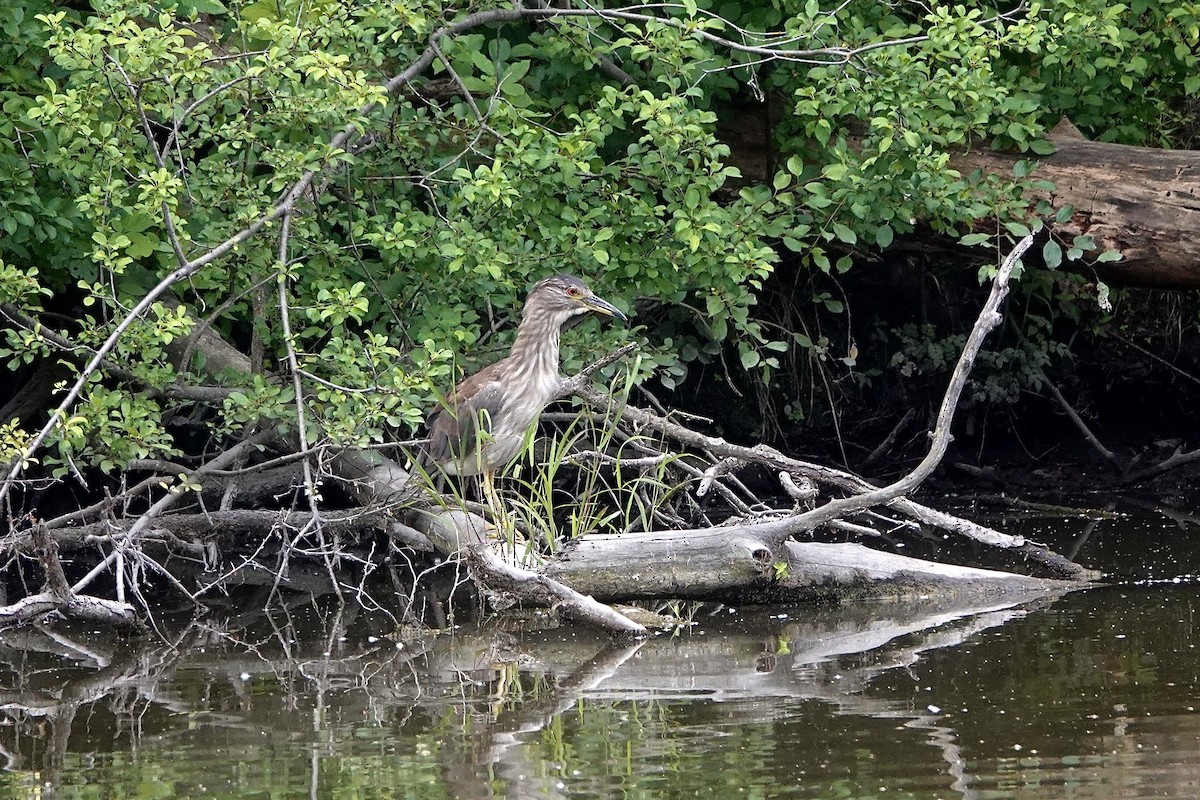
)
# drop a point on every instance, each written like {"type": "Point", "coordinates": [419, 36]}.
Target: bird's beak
{"type": "Point", "coordinates": [602, 306]}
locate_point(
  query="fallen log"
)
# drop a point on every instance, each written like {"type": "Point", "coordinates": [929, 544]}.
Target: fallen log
{"type": "Point", "coordinates": [740, 564]}
{"type": "Point", "coordinates": [1142, 202]}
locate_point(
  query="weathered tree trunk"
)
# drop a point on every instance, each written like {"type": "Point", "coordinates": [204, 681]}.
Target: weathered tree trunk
{"type": "Point", "coordinates": [740, 564]}
{"type": "Point", "coordinates": [1143, 202]}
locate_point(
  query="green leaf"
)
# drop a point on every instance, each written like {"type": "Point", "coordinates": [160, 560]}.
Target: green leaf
{"type": "Point", "coordinates": [141, 245]}
{"type": "Point", "coordinates": [844, 233]}
{"type": "Point", "coordinates": [1052, 254]}
{"type": "Point", "coordinates": [883, 236]}
{"type": "Point", "coordinates": [189, 8]}
{"type": "Point", "coordinates": [822, 131]}
{"type": "Point", "coordinates": [513, 76]}
{"type": "Point", "coordinates": [972, 239]}
{"type": "Point", "coordinates": [835, 172]}
{"type": "Point", "coordinates": [1043, 147]}
{"type": "Point", "coordinates": [820, 259]}
{"type": "Point", "coordinates": [750, 358]}
{"type": "Point", "coordinates": [1109, 256]}
{"type": "Point", "coordinates": [1017, 229]}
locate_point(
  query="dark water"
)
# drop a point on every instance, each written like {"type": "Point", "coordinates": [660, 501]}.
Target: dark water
{"type": "Point", "coordinates": [1093, 694]}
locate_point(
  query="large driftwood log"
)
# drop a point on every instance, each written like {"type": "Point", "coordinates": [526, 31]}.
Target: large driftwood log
{"type": "Point", "coordinates": [1142, 202]}
{"type": "Point", "coordinates": [741, 563]}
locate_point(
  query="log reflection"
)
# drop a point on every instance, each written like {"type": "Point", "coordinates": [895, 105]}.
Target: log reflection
{"type": "Point", "coordinates": [479, 711]}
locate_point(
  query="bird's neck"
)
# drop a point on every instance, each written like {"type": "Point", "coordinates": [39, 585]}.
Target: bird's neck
{"type": "Point", "coordinates": [536, 346]}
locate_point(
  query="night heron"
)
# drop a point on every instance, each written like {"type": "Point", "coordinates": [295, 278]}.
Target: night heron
{"type": "Point", "coordinates": [481, 427]}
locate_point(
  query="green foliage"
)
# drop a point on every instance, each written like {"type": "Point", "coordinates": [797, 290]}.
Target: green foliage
{"type": "Point", "coordinates": [14, 442]}
{"type": "Point", "coordinates": [1003, 372]}
{"type": "Point", "coordinates": [109, 429]}
{"type": "Point", "coordinates": [138, 135]}
{"type": "Point", "coordinates": [21, 287]}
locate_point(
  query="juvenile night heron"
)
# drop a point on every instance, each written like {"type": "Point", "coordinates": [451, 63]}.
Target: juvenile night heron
{"type": "Point", "coordinates": [481, 427]}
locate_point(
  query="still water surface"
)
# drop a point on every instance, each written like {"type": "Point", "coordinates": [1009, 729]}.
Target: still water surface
{"type": "Point", "coordinates": [1093, 694]}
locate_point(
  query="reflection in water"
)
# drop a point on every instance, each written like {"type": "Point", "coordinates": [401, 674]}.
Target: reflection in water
{"type": "Point", "coordinates": [1088, 695]}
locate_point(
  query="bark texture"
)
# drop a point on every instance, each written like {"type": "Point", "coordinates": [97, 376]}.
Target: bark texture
{"type": "Point", "coordinates": [1142, 202]}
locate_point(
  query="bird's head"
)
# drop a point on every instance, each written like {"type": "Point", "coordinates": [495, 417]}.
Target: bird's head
{"type": "Point", "coordinates": [564, 297]}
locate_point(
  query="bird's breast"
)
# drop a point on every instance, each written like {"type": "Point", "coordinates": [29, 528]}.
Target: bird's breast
{"type": "Point", "coordinates": [521, 409]}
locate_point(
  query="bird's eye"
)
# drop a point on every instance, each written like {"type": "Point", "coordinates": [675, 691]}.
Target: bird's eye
{"type": "Point", "coordinates": [573, 291]}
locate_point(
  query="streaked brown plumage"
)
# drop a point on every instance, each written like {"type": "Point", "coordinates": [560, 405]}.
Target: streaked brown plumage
{"type": "Point", "coordinates": [482, 425]}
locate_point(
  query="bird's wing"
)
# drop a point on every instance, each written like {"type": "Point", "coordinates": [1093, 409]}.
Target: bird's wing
{"type": "Point", "coordinates": [457, 426]}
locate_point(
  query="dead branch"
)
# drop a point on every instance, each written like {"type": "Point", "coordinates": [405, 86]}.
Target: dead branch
{"type": "Point", "coordinates": [233, 525]}
{"type": "Point", "coordinates": [1091, 438]}
{"type": "Point", "coordinates": [459, 533]}
{"type": "Point", "coordinates": [58, 597]}
{"type": "Point", "coordinates": [771, 534]}
{"type": "Point", "coordinates": [1177, 459]}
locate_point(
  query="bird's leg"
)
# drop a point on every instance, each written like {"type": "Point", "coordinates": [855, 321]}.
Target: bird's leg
{"type": "Point", "coordinates": [503, 524]}
{"type": "Point", "coordinates": [501, 527]}
{"type": "Point", "coordinates": [491, 497]}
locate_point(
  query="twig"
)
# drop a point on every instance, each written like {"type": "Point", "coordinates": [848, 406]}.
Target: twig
{"type": "Point", "coordinates": [1096, 444]}
{"type": "Point", "coordinates": [1153, 357]}
{"type": "Point", "coordinates": [890, 439]}
{"type": "Point", "coordinates": [718, 469]}
{"type": "Point", "coordinates": [801, 494]}
{"type": "Point", "coordinates": [583, 378]}
{"type": "Point", "coordinates": [1174, 461]}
